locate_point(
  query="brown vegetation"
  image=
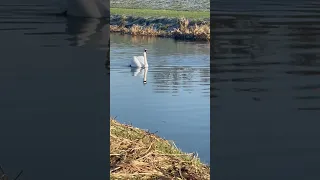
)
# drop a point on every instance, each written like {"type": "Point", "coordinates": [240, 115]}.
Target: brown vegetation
{"type": "Point", "coordinates": [184, 30]}
{"type": "Point", "coordinates": [139, 154]}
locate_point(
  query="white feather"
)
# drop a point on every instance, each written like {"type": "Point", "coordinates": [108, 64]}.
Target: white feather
{"type": "Point", "coordinates": [135, 62]}
{"type": "Point", "coordinates": [139, 61]}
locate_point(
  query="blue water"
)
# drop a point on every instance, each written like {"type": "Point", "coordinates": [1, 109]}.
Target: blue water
{"type": "Point", "coordinates": [175, 100]}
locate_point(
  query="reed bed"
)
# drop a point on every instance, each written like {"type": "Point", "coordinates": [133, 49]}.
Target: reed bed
{"type": "Point", "coordinates": [182, 30]}
{"type": "Point", "coordinates": [139, 154]}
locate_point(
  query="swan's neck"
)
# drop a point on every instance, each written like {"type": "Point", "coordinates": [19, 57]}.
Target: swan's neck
{"type": "Point", "coordinates": [145, 58]}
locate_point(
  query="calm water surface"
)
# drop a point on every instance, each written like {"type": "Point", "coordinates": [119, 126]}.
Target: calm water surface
{"type": "Point", "coordinates": [266, 100]}
{"type": "Point", "coordinates": [175, 100]}
{"type": "Point", "coordinates": [53, 94]}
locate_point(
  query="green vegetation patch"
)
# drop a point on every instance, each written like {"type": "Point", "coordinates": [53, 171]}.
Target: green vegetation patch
{"type": "Point", "coordinates": [160, 13]}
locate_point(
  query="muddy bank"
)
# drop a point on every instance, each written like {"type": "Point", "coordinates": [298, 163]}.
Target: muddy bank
{"type": "Point", "coordinates": [139, 154]}
{"type": "Point", "coordinates": [177, 28]}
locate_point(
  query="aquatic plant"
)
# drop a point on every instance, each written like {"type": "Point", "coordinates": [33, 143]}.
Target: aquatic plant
{"type": "Point", "coordinates": [140, 154]}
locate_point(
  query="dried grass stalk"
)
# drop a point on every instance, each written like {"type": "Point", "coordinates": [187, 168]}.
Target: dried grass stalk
{"type": "Point", "coordinates": [139, 154]}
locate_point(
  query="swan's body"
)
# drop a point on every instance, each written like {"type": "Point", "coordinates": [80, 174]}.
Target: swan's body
{"type": "Point", "coordinates": [140, 61]}
{"type": "Point", "coordinates": [88, 8]}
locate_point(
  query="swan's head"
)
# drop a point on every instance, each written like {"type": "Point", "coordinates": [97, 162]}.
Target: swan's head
{"type": "Point", "coordinates": [145, 50]}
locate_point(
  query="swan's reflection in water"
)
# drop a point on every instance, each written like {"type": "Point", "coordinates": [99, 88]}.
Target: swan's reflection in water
{"type": "Point", "coordinates": [140, 72]}
{"type": "Point", "coordinates": [145, 76]}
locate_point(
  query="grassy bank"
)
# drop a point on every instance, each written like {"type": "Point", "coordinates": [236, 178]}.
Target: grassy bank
{"type": "Point", "coordinates": [182, 25]}
{"type": "Point", "coordinates": [138, 154]}
{"type": "Point", "coordinates": [160, 13]}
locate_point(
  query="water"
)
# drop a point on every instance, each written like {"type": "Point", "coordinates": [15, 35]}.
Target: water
{"type": "Point", "coordinates": [54, 94]}
{"type": "Point", "coordinates": [266, 102]}
{"type": "Point", "coordinates": [175, 100]}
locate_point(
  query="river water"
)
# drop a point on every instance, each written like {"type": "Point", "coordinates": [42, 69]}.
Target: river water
{"type": "Point", "coordinates": [265, 79]}
{"type": "Point", "coordinates": [175, 100]}
{"type": "Point", "coordinates": [53, 95]}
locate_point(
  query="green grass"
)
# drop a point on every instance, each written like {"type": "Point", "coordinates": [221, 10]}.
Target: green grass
{"type": "Point", "coordinates": [160, 13]}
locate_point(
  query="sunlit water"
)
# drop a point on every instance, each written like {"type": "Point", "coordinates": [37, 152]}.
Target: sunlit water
{"type": "Point", "coordinates": [175, 100]}
{"type": "Point", "coordinates": [53, 94]}
{"type": "Point", "coordinates": [266, 101]}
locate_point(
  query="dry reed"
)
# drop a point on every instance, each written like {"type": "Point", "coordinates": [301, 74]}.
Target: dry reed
{"type": "Point", "coordinates": [184, 31]}
{"type": "Point", "coordinates": [139, 154]}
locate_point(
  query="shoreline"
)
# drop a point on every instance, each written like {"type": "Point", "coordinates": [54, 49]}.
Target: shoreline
{"type": "Point", "coordinates": [155, 24]}
{"type": "Point", "coordinates": [139, 154]}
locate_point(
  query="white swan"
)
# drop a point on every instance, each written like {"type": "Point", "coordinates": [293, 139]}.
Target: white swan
{"type": "Point", "coordinates": [87, 8]}
{"type": "Point", "coordinates": [140, 61]}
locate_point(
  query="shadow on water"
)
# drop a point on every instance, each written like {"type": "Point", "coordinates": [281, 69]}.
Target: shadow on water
{"type": "Point", "coordinates": [53, 104]}
{"type": "Point", "coordinates": [265, 80]}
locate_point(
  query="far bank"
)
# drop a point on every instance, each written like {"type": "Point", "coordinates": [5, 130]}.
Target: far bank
{"type": "Point", "coordinates": [183, 25]}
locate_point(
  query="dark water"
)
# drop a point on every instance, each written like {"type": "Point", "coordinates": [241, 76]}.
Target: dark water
{"type": "Point", "coordinates": [53, 94]}
{"type": "Point", "coordinates": [175, 100]}
{"type": "Point", "coordinates": [266, 101]}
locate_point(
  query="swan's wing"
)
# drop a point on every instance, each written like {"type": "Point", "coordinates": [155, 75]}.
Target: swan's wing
{"type": "Point", "coordinates": [135, 62]}
{"type": "Point", "coordinates": [140, 59]}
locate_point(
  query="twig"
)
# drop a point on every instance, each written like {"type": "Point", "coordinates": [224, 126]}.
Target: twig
{"type": "Point", "coordinates": [147, 152]}
{"type": "Point", "coordinates": [18, 175]}
{"type": "Point", "coordinates": [181, 173]}
{"type": "Point", "coordinates": [115, 154]}
{"type": "Point", "coordinates": [115, 169]}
